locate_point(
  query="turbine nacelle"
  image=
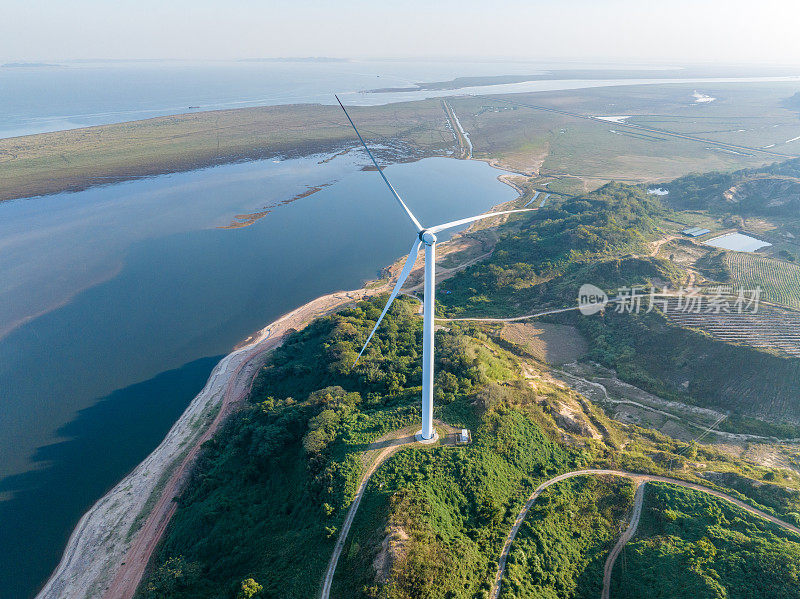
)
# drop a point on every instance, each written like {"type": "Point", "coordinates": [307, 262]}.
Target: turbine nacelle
{"type": "Point", "coordinates": [427, 237]}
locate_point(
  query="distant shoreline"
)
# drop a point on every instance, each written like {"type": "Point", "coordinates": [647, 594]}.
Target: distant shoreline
{"type": "Point", "coordinates": [78, 159]}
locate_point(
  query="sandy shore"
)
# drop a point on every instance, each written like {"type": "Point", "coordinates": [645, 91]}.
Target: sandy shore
{"type": "Point", "coordinates": [108, 551]}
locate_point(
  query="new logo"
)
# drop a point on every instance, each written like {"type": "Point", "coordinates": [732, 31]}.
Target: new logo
{"type": "Point", "coordinates": [591, 299]}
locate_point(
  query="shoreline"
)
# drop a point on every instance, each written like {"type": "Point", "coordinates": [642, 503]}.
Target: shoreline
{"type": "Point", "coordinates": [125, 524]}
{"type": "Point", "coordinates": [37, 165]}
{"type": "Point", "coordinates": [108, 524]}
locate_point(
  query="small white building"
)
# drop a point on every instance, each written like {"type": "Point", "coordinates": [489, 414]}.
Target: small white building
{"type": "Point", "coordinates": [464, 436]}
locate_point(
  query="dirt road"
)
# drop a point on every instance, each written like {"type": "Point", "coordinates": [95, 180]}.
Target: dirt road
{"type": "Point", "coordinates": [638, 501]}
{"type": "Point", "coordinates": [385, 448]}
{"type": "Point", "coordinates": [641, 478]}
{"type": "Point", "coordinates": [384, 455]}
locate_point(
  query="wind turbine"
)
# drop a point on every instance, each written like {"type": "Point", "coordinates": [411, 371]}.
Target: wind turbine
{"type": "Point", "coordinates": [426, 237]}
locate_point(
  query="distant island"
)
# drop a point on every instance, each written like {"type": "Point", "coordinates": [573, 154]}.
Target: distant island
{"type": "Point", "coordinates": [297, 59]}
{"type": "Point", "coordinates": [30, 65]}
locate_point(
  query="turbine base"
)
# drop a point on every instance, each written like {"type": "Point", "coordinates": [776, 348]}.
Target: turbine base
{"type": "Point", "coordinates": [420, 439]}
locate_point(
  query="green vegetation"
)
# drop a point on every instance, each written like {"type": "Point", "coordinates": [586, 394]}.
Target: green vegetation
{"type": "Point", "coordinates": [548, 256]}
{"type": "Point", "coordinates": [273, 486]}
{"type": "Point", "coordinates": [648, 351]}
{"type": "Point", "coordinates": [779, 281]}
{"type": "Point", "coordinates": [257, 499]}
{"type": "Point", "coordinates": [715, 265]}
{"type": "Point", "coordinates": [773, 497]}
{"type": "Point", "coordinates": [689, 544]}
{"type": "Point", "coordinates": [601, 239]}
{"type": "Point", "coordinates": [449, 508]}
{"type": "Point", "coordinates": [261, 515]}
{"type": "Point", "coordinates": [768, 191]}
{"type": "Point", "coordinates": [562, 546]}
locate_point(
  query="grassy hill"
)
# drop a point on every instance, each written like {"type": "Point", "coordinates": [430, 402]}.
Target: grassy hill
{"type": "Point", "coordinates": [692, 545]}
{"type": "Point", "coordinates": [772, 190]}
{"type": "Point", "coordinates": [272, 488]}
{"type": "Point", "coordinates": [601, 239]}
{"type": "Point", "coordinates": [537, 262]}
{"type": "Point", "coordinates": [269, 496]}
{"type": "Point", "coordinates": [563, 544]}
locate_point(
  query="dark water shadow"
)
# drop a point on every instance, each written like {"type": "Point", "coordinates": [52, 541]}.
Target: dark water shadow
{"type": "Point", "coordinates": [104, 443]}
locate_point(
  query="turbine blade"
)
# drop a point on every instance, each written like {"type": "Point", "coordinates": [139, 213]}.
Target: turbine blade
{"type": "Point", "coordinates": [412, 257]}
{"type": "Point", "coordinates": [380, 170]}
{"type": "Point", "coordinates": [471, 219]}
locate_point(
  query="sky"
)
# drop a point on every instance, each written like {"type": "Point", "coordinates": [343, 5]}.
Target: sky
{"type": "Point", "coordinates": [654, 31]}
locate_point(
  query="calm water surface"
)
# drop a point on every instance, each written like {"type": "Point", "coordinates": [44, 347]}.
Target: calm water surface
{"type": "Point", "coordinates": [40, 99]}
{"type": "Point", "coordinates": [116, 303]}
{"type": "Point", "coordinates": [35, 100]}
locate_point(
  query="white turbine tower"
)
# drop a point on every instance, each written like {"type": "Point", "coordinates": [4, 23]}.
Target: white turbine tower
{"type": "Point", "coordinates": [426, 236]}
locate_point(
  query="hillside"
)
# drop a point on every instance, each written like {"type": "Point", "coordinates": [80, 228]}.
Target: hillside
{"type": "Point", "coordinates": [772, 190]}
{"type": "Point", "coordinates": [267, 502]}
{"type": "Point", "coordinates": [268, 499]}
{"type": "Point", "coordinates": [601, 239]}
{"type": "Point", "coordinates": [536, 265]}
{"type": "Point", "coordinates": [281, 473]}
{"type": "Point", "coordinates": [692, 545]}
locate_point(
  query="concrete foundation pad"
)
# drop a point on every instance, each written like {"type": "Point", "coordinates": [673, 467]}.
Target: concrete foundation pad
{"type": "Point", "coordinates": [420, 439]}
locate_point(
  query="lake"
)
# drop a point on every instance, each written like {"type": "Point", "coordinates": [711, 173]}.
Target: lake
{"type": "Point", "coordinates": [737, 242]}
{"type": "Point", "coordinates": [117, 302]}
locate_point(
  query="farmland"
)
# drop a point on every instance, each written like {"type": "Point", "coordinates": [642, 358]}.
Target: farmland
{"type": "Point", "coordinates": [779, 281]}
{"type": "Point", "coordinates": [576, 153]}
{"type": "Point", "coordinates": [768, 328]}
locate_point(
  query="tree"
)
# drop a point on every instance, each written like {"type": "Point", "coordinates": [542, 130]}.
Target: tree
{"type": "Point", "coordinates": [250, 588]}
{"type": "Point", "coordinates": [172, 576]}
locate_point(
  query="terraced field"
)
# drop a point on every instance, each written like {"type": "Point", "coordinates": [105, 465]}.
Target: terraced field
{"type": "Point", "coordinates": [769, 328]}
{"type": "Point", "coordinates": [779, 281]}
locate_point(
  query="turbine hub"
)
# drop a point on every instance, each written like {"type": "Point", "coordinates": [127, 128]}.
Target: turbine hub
{"type": "Point", "coordinates": [427, 237]}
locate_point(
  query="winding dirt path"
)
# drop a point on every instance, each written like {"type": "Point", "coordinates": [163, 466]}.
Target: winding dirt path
{"type": "Point", "coordinates": [658, 243]}
{"type": "Point", "coordinates": [638, 501]}
{"type": "Point", "coordinates": [384, 455]}
{"type": "Point", "coordinates": [639, 478]}
{"type": "Point", "coordinates": [385, 447]}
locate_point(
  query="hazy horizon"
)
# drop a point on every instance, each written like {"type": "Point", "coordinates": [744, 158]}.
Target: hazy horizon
{"type": "Point", "coordinates": [677, 31]}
